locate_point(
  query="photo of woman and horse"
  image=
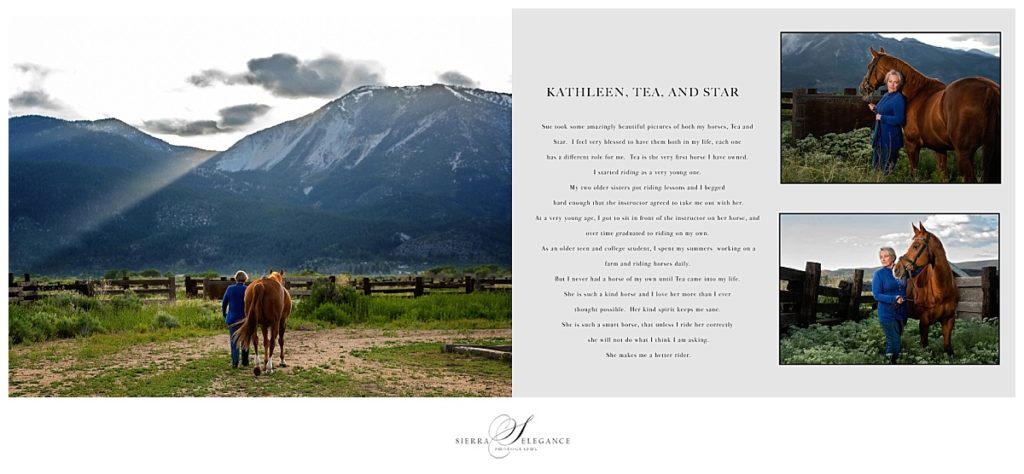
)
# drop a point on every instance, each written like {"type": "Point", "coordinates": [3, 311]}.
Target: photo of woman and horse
{"type": "Point", "coordinates": [855, 314]}
{"type": "Point", "coordinates": [936, 101]}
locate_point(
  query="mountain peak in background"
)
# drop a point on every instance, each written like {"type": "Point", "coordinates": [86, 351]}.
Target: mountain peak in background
{"type": "Point", "coordinates": [381, 179]}
{"type": "Point", "coordinates": [831, 62]}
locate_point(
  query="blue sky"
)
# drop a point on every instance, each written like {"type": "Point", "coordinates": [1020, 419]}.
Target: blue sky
{"type": "Point", "coordinates": [852, 240]}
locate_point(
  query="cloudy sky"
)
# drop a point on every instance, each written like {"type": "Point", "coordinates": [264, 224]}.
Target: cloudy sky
{"type": "Point", "coordinates": [987, 42]}
{"type": "Point", "coordinates": [208, 81]}
{"type": "Point", "coordinates": [852, 240]}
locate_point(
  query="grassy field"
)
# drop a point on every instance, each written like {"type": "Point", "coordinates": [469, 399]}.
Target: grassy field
{"type": "Point", "coordinates": [974, 342]}
{"type": "Point", "coordinates": [341, 343]}
{"type": "Point", "coordinates": [397, 369]}
{"type": "Point", "coordinates": [846, 158]}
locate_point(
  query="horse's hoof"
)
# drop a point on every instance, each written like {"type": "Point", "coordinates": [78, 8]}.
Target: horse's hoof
{"type": "Point", "coordinates": [256, 371]}
{"type": "Point", "coordinates": [283, 364]}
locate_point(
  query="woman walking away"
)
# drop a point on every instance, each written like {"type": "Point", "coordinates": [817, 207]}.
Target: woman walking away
{"type": "Point", "coordinates": [233, 310]}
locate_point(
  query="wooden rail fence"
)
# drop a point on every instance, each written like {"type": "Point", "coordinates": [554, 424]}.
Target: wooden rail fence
{"type": "Point", "coordinates": [419, 286]}
{"type": "Point", "coordinates": [164, 289]}
{"type": "Point", "coordinates": [800, 292]}
{"type": "Point", "coordinates": [818, 114]}
{"type": "Point", "coordinates": [149, 289]}
{"type": "Point", "coordinates": [214, 288]}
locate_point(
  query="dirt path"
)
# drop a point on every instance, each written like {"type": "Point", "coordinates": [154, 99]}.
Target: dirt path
{"type": "Point", "coordinates": [333, 349]}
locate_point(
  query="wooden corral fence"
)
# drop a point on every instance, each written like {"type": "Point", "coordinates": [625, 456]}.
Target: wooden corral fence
{"type": "Point", "coordinates": [800, 290]}
{"type": "Point", "coordinates": [148, 289]}
{"type": "Point", "coordinates": [214, 288]}
{"type": "Point", "coordinates": [419, 286]}
{"type": "Point", "coordinates": [818, 114]}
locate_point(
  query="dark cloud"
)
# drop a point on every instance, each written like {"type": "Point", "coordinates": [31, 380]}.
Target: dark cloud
{"type": "Point", "coordinates": [34, 99]}
{"type": "Point", "coordinates": [456, 78]}
{"type": "Point", "coordinates": [231, 119]}
{"type": "Point", "coordinates": [208, 77]}
{"type": "Point", "coordinates": [238, 115]}
{"type": "Point", "coordinates": [987, 39]}
{"type": "Point", "coordinates": [285, 75]}
{"type": "Point", "coordinates": [183, 128]}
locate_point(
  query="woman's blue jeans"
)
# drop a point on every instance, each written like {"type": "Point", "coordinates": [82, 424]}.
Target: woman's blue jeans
{"type": "Point", "coordinates": [893, 329]}
{"type": "Point", "coordinates": [234, 349]}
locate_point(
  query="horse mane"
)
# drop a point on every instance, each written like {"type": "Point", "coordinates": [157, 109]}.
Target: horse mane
{"type": "Point", "coordinates": [914, 81]}
{"type": "Point", "coordinates": [939, 270]}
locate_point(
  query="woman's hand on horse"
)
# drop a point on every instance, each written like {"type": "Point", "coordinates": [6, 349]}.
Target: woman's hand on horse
{"type": "Point", "coordinates": [872, 107]}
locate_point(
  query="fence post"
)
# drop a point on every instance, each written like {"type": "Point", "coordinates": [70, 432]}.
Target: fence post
{"type": "Point", "coordinates": [855, 290]}
{"type": "Point", "coordinates": [989, 292]}
{"type": "Point", "coordinates": [418, 291]}
{"type": "Point", "coordinates": [799, 112]}
{"type": "Point", "coordinates": [469, 284]}
{"type": "Point", "coordinates": [366, 286]}
{"type": "Point", "coordinates": [28, 278]}
{"type": "Point", "coordinates": [809, 298]}
{"type": "Point", "coordinates": [126, 284]}
{"type": "Point", "coordinates": [333, 279]}
{"type": "Point", "coordinates": [171, 289]}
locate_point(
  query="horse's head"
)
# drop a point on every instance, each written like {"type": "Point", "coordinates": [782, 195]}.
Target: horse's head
{"type": "Point", "coordinates": [277, 275]}
{"type": "Point", "coordinates": [880, 64]}
{"type": "Point", "coordinates": [920, 253]}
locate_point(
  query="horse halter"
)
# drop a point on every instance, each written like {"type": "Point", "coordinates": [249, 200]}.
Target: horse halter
{"type": "Point", "coordinates": [912, 263]}
{"type": "Point", "coordinates": [871, 69]}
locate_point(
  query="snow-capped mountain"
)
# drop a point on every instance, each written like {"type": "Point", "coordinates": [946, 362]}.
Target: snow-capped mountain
{"type": "Point", "coordinates": [381, 178]}
{"type": "Point", "coordinates": [377, 142]}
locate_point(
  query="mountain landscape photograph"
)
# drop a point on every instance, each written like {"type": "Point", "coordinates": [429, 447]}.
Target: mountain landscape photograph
{"type": "Point", "coordinates": [318, 162]}
{"type": "Point", "coordinates": [340, 184]}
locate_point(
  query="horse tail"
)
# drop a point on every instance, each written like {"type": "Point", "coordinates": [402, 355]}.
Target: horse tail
{"type": "Point", "coordinates": [245, 332]}
{"type": "Point", "coordinates": [991, 148]}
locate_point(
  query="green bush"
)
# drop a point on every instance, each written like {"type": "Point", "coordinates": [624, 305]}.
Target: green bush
{"type": "Point", "coordinates": [164, 320]}
{"type": "Point", "coordinates": [80, 325]}
{"type": "Point", "coordinates": [129, 301]}
{"type": "Point", "coordinates": [345, 300]}
{"type": "Point", "coordinates": [974, 342]}
{"type": "Point", "coordinates": [332, 313]}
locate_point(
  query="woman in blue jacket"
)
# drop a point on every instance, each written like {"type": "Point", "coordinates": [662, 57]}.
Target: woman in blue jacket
{"type": "Point", "coordinates": [890, 117]}
{"type": "Point", "coordinates": [233, 310]}
{"type": "Point", "coordinates": [891, 294]}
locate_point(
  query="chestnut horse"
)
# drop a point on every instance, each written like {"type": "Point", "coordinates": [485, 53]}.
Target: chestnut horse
{"type": "Point", "coordinates": [962, 116]}
{"type": "Point", "coordinates": [932, 290]}
{"type": "Point", "coordinates": [267, 304]}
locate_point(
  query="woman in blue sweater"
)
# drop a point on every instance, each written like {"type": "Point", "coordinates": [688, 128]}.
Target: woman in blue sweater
{"type": "Point", "coordinates": [891, 294]}
{"type": "Point", "coordinates": [233, 310]}
{"type": "Point", "coordinates": [890, 117]}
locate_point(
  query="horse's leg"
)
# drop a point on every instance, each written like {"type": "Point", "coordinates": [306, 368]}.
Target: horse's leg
{"type": "Point", "coordinates": [943, 165]}
{"type": "Point", "coordinates": [270, 350]}
{"type": "Point", "coordinates": [923, 325]}
{"type": "Point", "coordinates": [947, 334]}
{"type": "Point", "coordinates": [280, 341]}
{"type": "Point", "coordinates": [914, 156]}
{"type": "Point", "coordinates": [965, 164]}
{"type": "Point", "coordinates": [266, 350]}
{"type": "Point", "coordinates": [255, 342]}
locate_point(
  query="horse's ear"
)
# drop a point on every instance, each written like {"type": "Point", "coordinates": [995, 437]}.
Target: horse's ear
{"type": "Point", "coordinates": [881, 50]}
{"type": "Point", "coordinates": [874, 53]}
{"type": "Point", "coordinates": [921, 226]}
{"type": "Point", "coordinates": [916, 231]}
{"type": "Point", "coordinates": [282, 272]}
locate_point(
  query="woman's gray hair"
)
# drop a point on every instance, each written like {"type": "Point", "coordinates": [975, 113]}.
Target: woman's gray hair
{"type": "Point", "coordinates": [888, 250]}
{"type": "Point", "coordinates": [893, 72]}
{"type": "Point", "coordinates": [240, 276]}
